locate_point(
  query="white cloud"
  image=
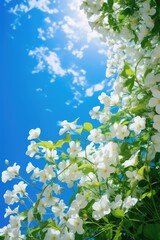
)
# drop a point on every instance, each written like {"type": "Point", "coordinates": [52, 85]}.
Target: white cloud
{"type": "Point", "coordinates": [95, 88]}
{"type": "Point", "coordinates": [54, 64]}
{"type": "Point", "coordinates": [74, 35]}
{"type": "Point", "coordinates": [79, 53]}
{"type": "Point", "coordinates": [39, 89]}
{"type": "Point", "coordinates": [42, 5]}
{"type": "Point", "coordinates": [47, 59]}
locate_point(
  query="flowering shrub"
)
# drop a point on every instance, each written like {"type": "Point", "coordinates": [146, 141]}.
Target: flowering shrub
{"type": "Point", "coordinates": [114, 167]}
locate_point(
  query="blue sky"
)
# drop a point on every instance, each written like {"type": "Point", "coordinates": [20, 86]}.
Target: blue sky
{"type": "Point", "coordinates": [52, 68]}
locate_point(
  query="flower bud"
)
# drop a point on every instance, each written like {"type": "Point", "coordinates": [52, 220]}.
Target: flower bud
{"type": "Point", "coordinates": [6, 162]}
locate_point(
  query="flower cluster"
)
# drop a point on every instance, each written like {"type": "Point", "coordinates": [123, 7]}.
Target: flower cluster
{"type": "Point", "coordinates": [115, 167]}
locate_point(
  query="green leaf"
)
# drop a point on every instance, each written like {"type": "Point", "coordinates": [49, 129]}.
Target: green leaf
{"type": "Point", "coordinates": [141, 171]}
{"type": "Point", "coordinates": [117, 236]}
{"type": "Point", "coordinates": [129, 72]}
{"type": "Point", "coordinates": [79, 130]}
{"type": "Point", "coordinates": [152, 231]}
{"type": "Point", "coordinates": [87, 168]}
{"type": "Point", "coordinates": [46, 144]}
{"type": "Point", "coordinates": [148, 194]}
{"type": "Point", "coordinates": [95, 184]}
{"type": "Point", "coordinates": [118, 213]}
{"type": "Point", "coordinates": [84, 166]}
{"type": "Point", "coordinates": [110, 4]}
{"type": "Point", "coordinates": [63, 156]}
{"type": "Point", "coordinates": [59, 143]}
{"type": "Point", "coordinates": [87, 126]}
{"type": "Point", "coordinates": [129, 83]}
{"type": "Point", "coordinates": [67, 138]}
{"type": "Point", "coordinates": [141, 108]}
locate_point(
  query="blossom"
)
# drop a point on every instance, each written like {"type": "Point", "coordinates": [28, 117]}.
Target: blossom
{"type": "Point", "coordinates": [47, 173]}
{"type": "Point", "coordinates": [68, 172]}
{"type": "Point", "coordinates": [95, 135]}
{"type": "Point", "coordinates": [138, 125]}
{"type": "Point", "coordinates": [94, 113]}
{"type": "Point", "coordinates": [117, 202]}
{"type": "Point", "coordinates": [67, 126]}
{"type": "Point", "coordinates": [104, 170]}
{"type": "Point", "coordinates": [59, 208]}
{"type": "Point", "coordinates": [156, 141]}
{"type": "Point", "coordinates": [34, 133]}
{"type": "Point", "coordinates": [118, 130]}
{"type": "Point", "coordinates": [155, 100]}
{"type": "Point", "coordinates": [101, 208]}
{"type": "Point", "coordinates": [104, 99]}
{"type": "Point", "coordinates": [75, 224]}
{"type": "Point", "coordinates": [10, 197]}
{"type": "Point", "coordinates": [9, 211]}
{"type": "Point", "coordinates": [51, 155]}
{"type": "Point", "coordinates": [15, 222]}
{"type": "Point", "coordinates": [74, 149]}
{"type": "Point", "coordinates": [132, 161]}
{"type": "Point", "coordinates": [30, 167]}
{"type": "Point", "coordinates": [156, 122]}
{"type": "Point", "coordinates": [133, 176]}
{"type": "Point", "coordinates": [52, 234]}
{"type": "Point", "coordinates": [10, 173]}
{"type": "Point", "coordinates": [129, 202]}
{"type": "Point", "coordinates": [67, 235]}
{"type": "Point", "coordinates": [77, 204]}
{"type": "Point", "coordinates": [20, 188]}
{"type": "Point", "coordinates": [32, 149]}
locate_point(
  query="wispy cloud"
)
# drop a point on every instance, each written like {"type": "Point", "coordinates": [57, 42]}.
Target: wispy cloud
{"type": "Point", "coordinates": [65, 19]}
{"type": "Point", "coordinates": [95, 88]}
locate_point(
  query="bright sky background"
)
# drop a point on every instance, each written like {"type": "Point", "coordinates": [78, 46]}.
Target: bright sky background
{"type": "Point", "coordinates": [52, 69]}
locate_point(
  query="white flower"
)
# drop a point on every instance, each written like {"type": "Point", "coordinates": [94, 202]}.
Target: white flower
{"type": "Point", "coordinates": [117, 202]}
{"type": "Point", "coordinates": [10, 173]}
{"type": "Point", "coordinates": [104, 99]}
{"type": "Point", "coordinates": [51, 155]}
{"type": "Point", "coordinates": [74, 149]}
{"type": "Point", "coordinates": [155, 100]}
{"type": "Point", "coordinates": [4, 231]}
{"type": "Point", "coordinates": [138, 125]}
{"type": "Point", "coordinates": [30, 216]}
{"type": "Point", "coordinates": [132, 161]}
{"type": "Point", "coordinates": [47, 173]}
{"type": "Point", "coordinates": [118, 130]}
{"type": "Point", "coordinates": [68, 172]}
{"type": "Point", "coordinates": [104, 170]}
{"type": "Point", "coordinates": [52, 234]}
{"type": "Point", "coordinates": [9, 211]}
{"type": "Point", "coordinates": [94, 113]}
{"type": "Point", "coordinates": [114, 99]}
{"type": "Point", "coordinates": [79, 203]}
{"type": "Point", "coordinates": [96, 135]}
{"type": "Point", "coordinates": [101, 208]}
{"type": "Point", "coordinates": [15, 222]}
{"type": "Point", "coordinates": [34, 133]}
{"type": "Point", "coordinates": [59, 208]}
{"type": "Point", "coordinates": [67, 126]}
{"type": "Point", "coordinates": [133, 176]}
{"type": "Point", "coordinates": [66, 235]}
{"type": "Point", "coordinates": [32, 149]}
{"type": "Point", "coordinates": [156, 141]}
{"type": "Point", "coordinates": [75, 224]}
{"type": "Point", "coordinates": [129, 202]}
{"type": "Point", "coordinates": [30, 167]}
{"type": "Point", "coordinates": [151, 79]}
{"type": "Point", "coordinates": [156, 122]}
{"type": "Point", "coordinates": [10, 197]}
{"type": "Point", "coordinates": [20, 188]}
